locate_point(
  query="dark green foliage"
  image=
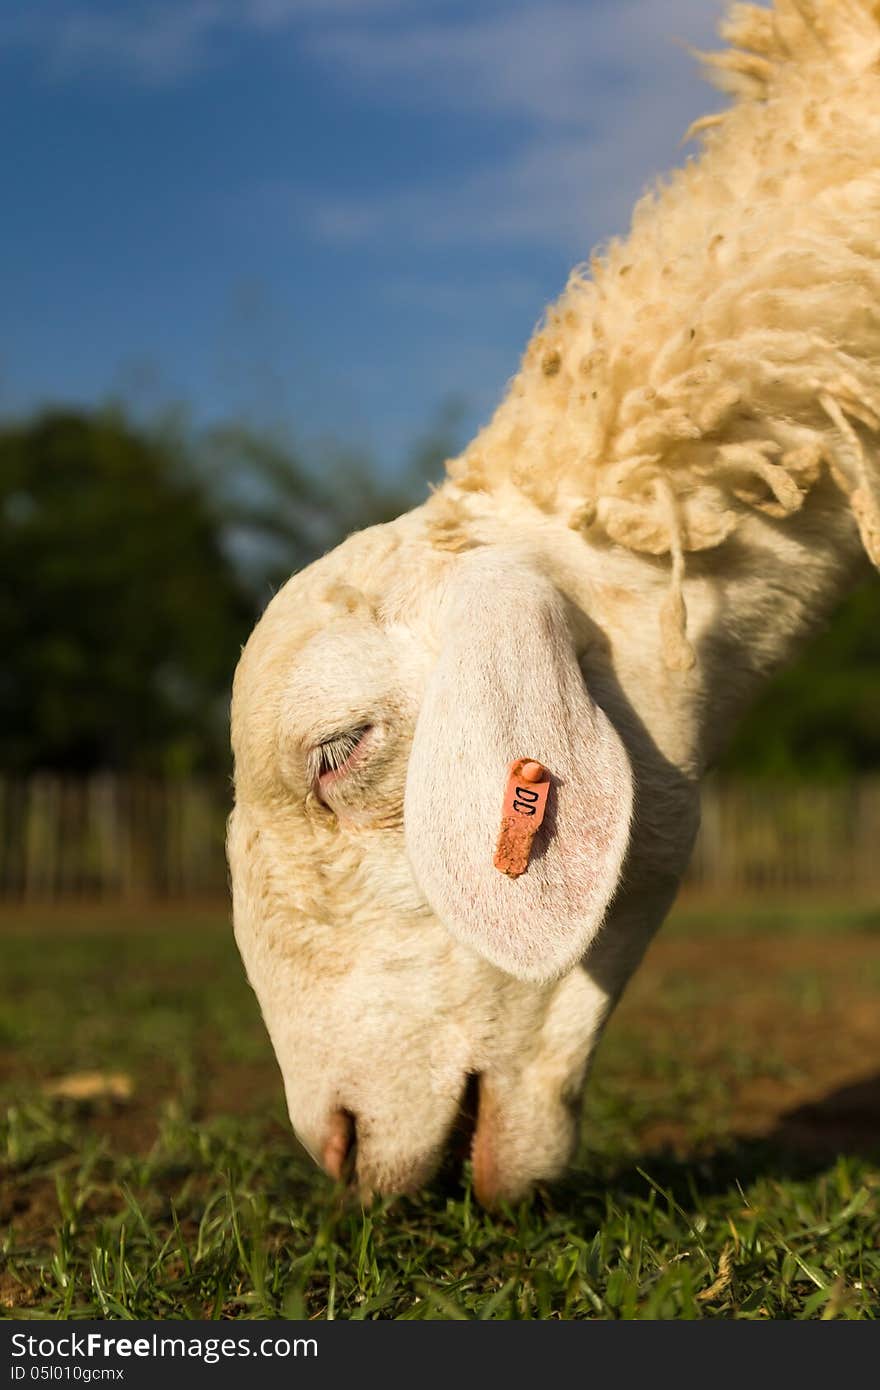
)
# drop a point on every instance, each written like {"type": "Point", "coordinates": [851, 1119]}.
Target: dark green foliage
{"type": "Point", "coordinates": [120, 614]}
{"type": "Point", "coordinates": [821, 718]}
{"type": "Point", "coordinates": [133, 564]}
{"type": "Point", "coordinates": [282, 511]}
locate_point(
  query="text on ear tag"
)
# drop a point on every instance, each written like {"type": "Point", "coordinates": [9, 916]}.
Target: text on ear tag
{"type": "Point", "coordinates": [525, 801]}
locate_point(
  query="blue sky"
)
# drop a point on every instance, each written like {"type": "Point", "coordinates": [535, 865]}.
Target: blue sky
{"type": "Point", "coordinates": [328, 215]}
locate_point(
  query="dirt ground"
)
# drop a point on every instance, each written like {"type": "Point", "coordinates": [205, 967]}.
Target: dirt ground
{"type": "Point", "coordinates": [791, 1025]}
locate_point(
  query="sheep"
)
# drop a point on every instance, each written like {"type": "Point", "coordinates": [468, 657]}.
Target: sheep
{"type": "Point", "coordinates": [679, 485]}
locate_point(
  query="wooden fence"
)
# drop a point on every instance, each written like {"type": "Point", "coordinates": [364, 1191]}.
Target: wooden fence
{"type": "Point", "coordinates": [111, 837]}
{"type": "Point", "coordinates": [765, 836]}
{"type": "Point", "coordinates": [129, 838]}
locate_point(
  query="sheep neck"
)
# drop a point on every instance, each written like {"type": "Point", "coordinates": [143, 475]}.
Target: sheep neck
{"type": "Point", "coordinates": [753, 604]}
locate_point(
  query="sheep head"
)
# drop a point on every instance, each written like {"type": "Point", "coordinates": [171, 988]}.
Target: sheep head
{"type": "Point", "coordinates": [376, 710]}
{"type": "Point", "coordinates": [709, 387]}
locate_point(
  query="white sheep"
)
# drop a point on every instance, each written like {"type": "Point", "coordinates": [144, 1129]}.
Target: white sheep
{"type": "Point", "coordinates": [679, 485]}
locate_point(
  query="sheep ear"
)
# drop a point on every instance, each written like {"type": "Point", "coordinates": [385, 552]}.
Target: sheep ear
{"type": "Point", "coordinates": [507, 685]}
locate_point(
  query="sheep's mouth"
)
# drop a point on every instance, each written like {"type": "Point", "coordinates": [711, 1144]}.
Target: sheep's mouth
{"type": "Point", "coordinates": [460, 1140]}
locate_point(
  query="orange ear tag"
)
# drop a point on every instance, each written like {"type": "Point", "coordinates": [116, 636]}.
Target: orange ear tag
{"type": "Point", "coordinates": [525, 801]}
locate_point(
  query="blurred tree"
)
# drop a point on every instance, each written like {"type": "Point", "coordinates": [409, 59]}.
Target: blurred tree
{"type": "Point", "coordinates": [821, 717]}
{"type": "Point", "coordinates": [271, 509]}
{"type": "Point", "coordinates": [280, 511]}
{"type": "Point", "coordinates": [120, 614]}
{"type": "Point", "coordinates": [133, 562]}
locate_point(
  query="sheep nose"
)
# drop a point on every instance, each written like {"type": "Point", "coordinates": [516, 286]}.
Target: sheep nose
{"type": "Point", "coordinates": [340, 1147]}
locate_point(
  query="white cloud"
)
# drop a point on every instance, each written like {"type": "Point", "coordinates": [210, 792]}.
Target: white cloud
{"type": "Point", "coordinates": [601, 94]}
{"type": "Point", "coordinates": [535, 59]}
{"type": "Point", "coordinates": [515, 54]}
{"type": "Point", "coordinates": [589, 97]}
{"type": "Point", "coordinates": [558, 189]}
{"type": "Point", "coordinates": [162, 41]}
{"type": "Point", "coordinates": [159, 47]}
{"type": "Point", "coordinates": [455, 300]}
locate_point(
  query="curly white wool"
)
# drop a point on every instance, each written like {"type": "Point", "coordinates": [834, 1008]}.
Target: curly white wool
{"type": "Point", "coordinates": [729, 349]}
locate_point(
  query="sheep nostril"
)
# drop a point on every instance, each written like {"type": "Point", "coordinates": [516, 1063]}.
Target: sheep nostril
{"type": "Point", "coordinates": [340, 1150]}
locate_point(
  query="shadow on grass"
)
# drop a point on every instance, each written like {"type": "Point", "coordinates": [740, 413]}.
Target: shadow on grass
{"type": "Point", "coordinates": [804, 1142]}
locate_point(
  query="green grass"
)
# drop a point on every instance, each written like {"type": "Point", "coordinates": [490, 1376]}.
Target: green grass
{"type": "Point", "coordinates": [775, 916]}
{"type": "Point", "coordinates": [728, 1165]}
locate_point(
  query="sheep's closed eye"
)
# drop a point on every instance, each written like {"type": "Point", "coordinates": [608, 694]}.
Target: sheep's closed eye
{"type": "Point", "coordinates": [335, 756]}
